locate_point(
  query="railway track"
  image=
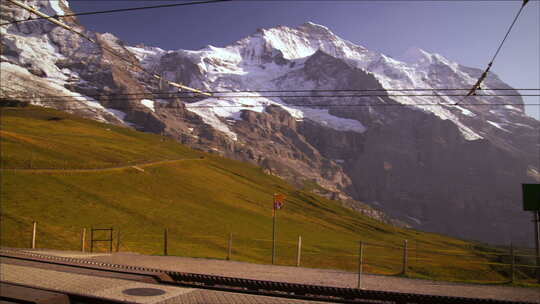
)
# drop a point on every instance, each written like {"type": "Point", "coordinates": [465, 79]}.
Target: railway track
{"type": "Point", "coordinates": [254, 287]}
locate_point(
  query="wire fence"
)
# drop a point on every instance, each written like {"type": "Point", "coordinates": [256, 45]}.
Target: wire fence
{"type": "Point", "coordinates": [412, 258]}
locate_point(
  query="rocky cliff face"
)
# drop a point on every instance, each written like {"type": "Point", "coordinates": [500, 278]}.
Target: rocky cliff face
{"type": "Point", "coordinates": [430, 163]}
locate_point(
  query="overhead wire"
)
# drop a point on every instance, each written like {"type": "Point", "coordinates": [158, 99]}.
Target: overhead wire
{"type": "Point", "coordinates": [186, 94]}
{"type": "Point", "coordinates": [117, 10]}
{"type": "Point", "coordinates": [476, 86]}
{"type": "Point", "coordinates": [294, 104]}
{"type": "Point", "coordinates": [275, 96]}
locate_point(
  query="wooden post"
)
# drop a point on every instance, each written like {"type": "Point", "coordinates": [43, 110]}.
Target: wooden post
{"type": "Point", "coordinates": [512, 264]}
{"type": "Point", "coordinates": [118, 240]}
{"type": "Point", "coordinates": [92, 239]}
{"type": "Point", "coordinates": [537, 241]}
{"type": "Point", "coordinates": [416, 253]}
{"type": "Point", "coordinates": [34, 231]}
{"type": "Point", "coordinates": [165, 237]}
{"type": "Point", "coordinates": [229, 247]}
{"type": "Point", "coordinates": [299, 251]}
{"type": "Point", "coordinates": [110, 240]}
{"type": "Point", "coordinates": [273, 234]}
{"type": "Point", "coordinates": [83, 239]}
{"type": "Point", "coordinates": [404, 271]}
{"type": "Point", "coordinates": [360, 264]}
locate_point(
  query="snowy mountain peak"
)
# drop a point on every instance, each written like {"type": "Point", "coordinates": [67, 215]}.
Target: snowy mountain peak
{"type": "Point", "coordinates": [311, 27]}
{"type": "Point", "coordinates": [300, 42]}
{"type": "Point", "coordinates": [275, 58]}
{"type": "Point", "coordinates": [416, 55]}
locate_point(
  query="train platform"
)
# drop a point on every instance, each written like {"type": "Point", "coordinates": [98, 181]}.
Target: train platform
{"type": "Point", "coordinates": [325, 277]}
{"type": "Point", "coordinates": [113, 287]}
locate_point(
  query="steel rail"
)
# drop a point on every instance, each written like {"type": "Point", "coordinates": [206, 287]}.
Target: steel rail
{"type": "Point", "coordinates": [259, 287]}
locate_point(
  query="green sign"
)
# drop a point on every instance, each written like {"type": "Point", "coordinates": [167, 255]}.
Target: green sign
{"type": "Point", "coordinates": [531, 197]}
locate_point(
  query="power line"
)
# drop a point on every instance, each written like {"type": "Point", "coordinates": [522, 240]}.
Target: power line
{"type": "Point", "coordinates": [508, 32]}
{"type": "Point", "coordinates": [260, 104]}
{"type": "Point", "coordinates": [117, 10]}
{"type": "Point", "coordinates": [344, 105]}
{"type": "Point", "coordinates": [181, 95]}
{"type": "Point", "coordinates": [476, 86]}
{"type": "Point", "coordinates": [111, 51]}
{"type": "Point", "coordinates": [282, 96]}
{"type": "Point", "coordinates": [300, 105]}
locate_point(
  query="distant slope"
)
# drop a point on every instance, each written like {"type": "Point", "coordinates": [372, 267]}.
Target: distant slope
{"type": "Point", "coordinates": [199, 197]}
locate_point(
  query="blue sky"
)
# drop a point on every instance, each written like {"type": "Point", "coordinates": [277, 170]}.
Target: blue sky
{"type": "Point", "coordinates": [464, 31]}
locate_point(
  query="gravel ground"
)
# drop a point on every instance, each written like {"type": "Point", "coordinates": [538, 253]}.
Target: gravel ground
{"type": "Point", "coordinates": [322, 277]}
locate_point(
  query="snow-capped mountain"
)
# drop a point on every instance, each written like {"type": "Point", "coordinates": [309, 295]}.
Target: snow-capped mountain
{"type": "Point", "coordinates": [437, 165]}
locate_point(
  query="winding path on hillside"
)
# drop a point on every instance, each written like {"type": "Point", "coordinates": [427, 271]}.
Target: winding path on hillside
{"type": "Point", "coordinates": [137, 166]}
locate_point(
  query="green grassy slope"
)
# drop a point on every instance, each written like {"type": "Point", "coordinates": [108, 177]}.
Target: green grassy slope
{"type": "Point", "coordinates": [199, 197]}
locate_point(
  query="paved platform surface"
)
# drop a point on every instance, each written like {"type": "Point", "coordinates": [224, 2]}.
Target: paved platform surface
{"type": "Point", "coordinates": [323, 277]}
{"type": "Point", "coordinates": [58, 279]}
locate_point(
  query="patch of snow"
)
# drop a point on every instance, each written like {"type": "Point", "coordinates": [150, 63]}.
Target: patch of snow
{"type": "Point", "coordinates": [39, 51]}
{"type": "Point", "coordinates": [322, 117]}
{"type": "Point", "coordinates": [119, 114]}
{"type": "Point", "coordinates": [416, 55]}
{"type": "Point", "coordinates": [148, 56]}
{"type": "Point", "coordinates": [149, 104]}
{"type": "Point", "coordinates": [231, 108]}
{"type": "Point", "coordinates": [90, 102]}
{"type": "Point", "coordinates": [509, 107]}
{"type": "Point", "coordinates": [417, 221]}
{"type": "Point", "coordinates": [464, 111]}
{"type": "Point", "coordinates": [55, 5]}
{"type": "Point", "coordinates": [9, 67]}
{"type": "Point", "coordinates": [339, 161]}
{"type": "Point", "coordinates": [15, 78]}
{"type": "Point", "coordinates": [496, 125]}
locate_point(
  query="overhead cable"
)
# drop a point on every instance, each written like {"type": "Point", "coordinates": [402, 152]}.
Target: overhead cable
{"type": "Point", "coordinates": [117, 10]}
{"type": "Point", "coordinates": [476, 86]}
{"type": "Point", "coordinates": [180, 95]}
{"type": "Point", "coordinates": [300, 105]}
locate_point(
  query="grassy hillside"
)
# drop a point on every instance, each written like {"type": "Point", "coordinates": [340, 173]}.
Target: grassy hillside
{"type": "Point", "coordinates": [199, 197]}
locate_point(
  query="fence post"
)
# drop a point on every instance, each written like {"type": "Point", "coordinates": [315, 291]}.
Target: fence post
{"type": "Point", "coordinates": [299, 251]}
{"type": "Point", "coordinates": [360, 264]}
{"type": "Point", "coordinates": [229, 247]}
{"type": "Point", "coordinates": [165, 237]}
{"type": "Point", "coordinates": [91, 239]}
{"type": "Point", "coordinates": [512, 264]}
{"type": "Point", "coordinates": [416, 253]}
{"type": "Point", "coordinates": [34, 230]}
{"type": "Point", "coordinates": [118, 240]}
{"type": "Point", "coordinates": [404, 271]}
{"type": "Point", "coordinates": [110, 240]}
{"type": "Point", "coordinates": [83, 239]}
